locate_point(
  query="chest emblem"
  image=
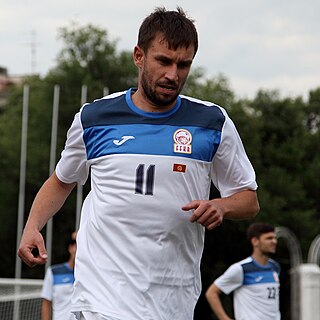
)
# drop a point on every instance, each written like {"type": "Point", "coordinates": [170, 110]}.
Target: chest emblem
{"type": "Point", "coordinates": [123, 140]}
{"type": "Point", "coordinates": [182, 141]}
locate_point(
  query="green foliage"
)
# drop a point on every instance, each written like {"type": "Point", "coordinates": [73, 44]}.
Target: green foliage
{"type": "Point", "coordinates": [216, 89]}
{"type": "Point", "coordinates": [282, 153]}
{"type": "Point", "coordinates": [89, 57]}
{"type": "Point", "coordinates": [9, 179]}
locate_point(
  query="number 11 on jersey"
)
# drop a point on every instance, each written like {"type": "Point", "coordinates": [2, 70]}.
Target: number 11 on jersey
{"type": "Point", "coordinates": [149, 179]}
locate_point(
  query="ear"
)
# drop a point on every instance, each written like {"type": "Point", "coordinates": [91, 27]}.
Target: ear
{"type": "Point", "coordinates": [138, 56]}
{"type": "Point", "coordinates": [254, 241]}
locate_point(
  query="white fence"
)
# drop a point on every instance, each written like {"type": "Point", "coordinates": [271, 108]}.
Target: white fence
{"type": "Point", "coordinates": [305, 278]}
{"type": "Point", "coordinates": [20, 299]}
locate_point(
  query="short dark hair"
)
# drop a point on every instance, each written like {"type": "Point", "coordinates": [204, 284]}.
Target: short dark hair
{"type": "Point", "coordinates": [255, 230]}
{"type": "Point", "coordinates": [178, 30]}
{"type": "Point", "coordinates": [72, 239]}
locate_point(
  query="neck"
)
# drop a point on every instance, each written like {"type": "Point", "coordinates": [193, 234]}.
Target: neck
{"type": "Point", "coordinates": [260, 258]}
{"type": "Point", "coordinates": [71, 263]}
{"type": "Point", "coordinates": [140, 101]}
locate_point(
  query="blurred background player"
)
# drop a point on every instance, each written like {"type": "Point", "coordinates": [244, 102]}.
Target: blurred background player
{"type": "Point", "coordinates": [254, 280]}
{"type": "Point", "coordinates": [58, 287]}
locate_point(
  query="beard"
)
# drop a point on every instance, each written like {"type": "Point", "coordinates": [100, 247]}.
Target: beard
{"type": "Point", "coordinates": [155, 98]}
{"type": "Point", "coordinates": [268, 253]}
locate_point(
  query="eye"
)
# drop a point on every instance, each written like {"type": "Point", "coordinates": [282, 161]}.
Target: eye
{"type": "Point", "coordinates": [184, 65]}
{"type": "Point", "coordinates": [164, 61]}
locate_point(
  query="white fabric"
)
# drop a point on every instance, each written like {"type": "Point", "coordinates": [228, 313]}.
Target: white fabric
{"type": "Point", "coordinates": [255, 300]}
{"type": "Point", "coordinates": [138, 256]}
{"type": "Point", "coordinates": [59, 295]}
{"type": "Point", "coordinates": [92, 316]}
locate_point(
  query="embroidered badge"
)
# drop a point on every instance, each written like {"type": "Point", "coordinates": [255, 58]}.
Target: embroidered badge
{"type": "Point", "coordinates": [182, 141]}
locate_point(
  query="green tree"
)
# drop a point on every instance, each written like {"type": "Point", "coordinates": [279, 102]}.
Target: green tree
{"type": "Point", "coordinates": [216, 89]}
{"type": "Point", "coordinates": [283, 137]}
{"type": "Point", "coordinates": [88, 58]}
{"type": "Point", "coordinates": [311, 160]}
{"type": "Point", "coordinates": [10, 126]}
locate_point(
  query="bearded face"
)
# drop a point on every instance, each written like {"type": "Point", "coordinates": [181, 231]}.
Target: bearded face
{"type": "Point", "coordinates": [162, 74]}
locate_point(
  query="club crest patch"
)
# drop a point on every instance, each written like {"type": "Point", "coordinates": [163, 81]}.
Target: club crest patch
{"type": "Point", "coordinates": [182, 141]}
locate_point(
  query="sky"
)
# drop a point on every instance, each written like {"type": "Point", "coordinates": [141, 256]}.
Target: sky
{"type": "Point", "coordinates": [256, 44]}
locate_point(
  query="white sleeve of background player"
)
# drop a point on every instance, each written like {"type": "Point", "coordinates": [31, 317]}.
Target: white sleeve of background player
{"type": "Point", "coordinates": [232, 171]}
{"type": "Point", "coordinates": [231, 279]}
{"type": "Point", "coordinates": [47, 287]}
{"type": "Point", "coordinates": [73, 165]}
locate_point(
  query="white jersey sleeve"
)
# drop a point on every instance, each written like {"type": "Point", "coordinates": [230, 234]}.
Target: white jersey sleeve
{"type": "Point", "coordinates": [231, 279]}
{"type": "Point", "coordinates": [256, 289]}
{"type": "Point", "coordinates": [47, 288]}
{"type": "Point", "coordinates": [231, 163]}
{"type": "Point", "coordinates": [73, 165]}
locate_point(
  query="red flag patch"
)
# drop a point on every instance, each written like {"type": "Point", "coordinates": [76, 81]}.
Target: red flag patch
{"type": "Point", "coordinates": [179, 167]}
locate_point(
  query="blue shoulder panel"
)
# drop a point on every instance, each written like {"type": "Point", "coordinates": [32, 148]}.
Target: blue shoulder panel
{"type": "Point", "coordinates": [114, 126]}
{"type": "Point", "coordinates": [62, 274]}
{"type": "Point", "coordinates": [255, 274]}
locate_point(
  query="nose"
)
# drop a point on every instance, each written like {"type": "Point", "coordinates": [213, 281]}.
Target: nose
{"type": "Point", "coordinates": [172, 73]}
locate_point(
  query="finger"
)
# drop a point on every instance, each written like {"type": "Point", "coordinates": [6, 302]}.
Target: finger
{"type": "Point", "coordinates": [43, 252]}
{"type": "Point", "coordinates": [207, 218]}
{"type": "Point", "coordinates": [197, 215]}
{"type": "Point", "coordinates": [213, 223]}
{"type": "Point", "coordinates": [27, 257]}
{"type": "Point", "coordinates": [34, 262]}
{"type": "Point", "coordinates": [38, 260]}
{"type": "Point", "coordinates": [33, 256]}
{"type": "Point", "coordinates": [191, 205]}
{"type": "Point", "coordinates": [40, 255]}
{"type": "Point", "coordinates": [201, 213]}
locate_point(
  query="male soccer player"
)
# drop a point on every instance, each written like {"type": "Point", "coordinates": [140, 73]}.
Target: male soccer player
{"type": "Point", "coordinates": [151, 154]}
{"type": "Point", "coordinates": [58, 287]}
{"type": "Point", "coordinates": [254, 280]}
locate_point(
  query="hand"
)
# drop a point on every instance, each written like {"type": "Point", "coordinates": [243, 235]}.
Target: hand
{"type": "Point", "coordinates": [206, 212]}
{"type": "Point", "coordinates": [32, 240]}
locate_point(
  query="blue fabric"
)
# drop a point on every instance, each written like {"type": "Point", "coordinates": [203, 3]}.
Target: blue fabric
{"type": "Point", "coordinates": [255, 273]}
{"type": "Point", "coordinates": [108, 120]}
{"type": "Point", "coordinates": [62, 274]}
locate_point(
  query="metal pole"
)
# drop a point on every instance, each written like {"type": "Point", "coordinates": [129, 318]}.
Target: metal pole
{"type": "Point", "coordinates": [84, 90]}
{"type": "Point", "coordinates": [23, 158]}
{"type": "Point", "coordinates": [53, 148]}
{"type": "Point", "coordinates": [105, 91]}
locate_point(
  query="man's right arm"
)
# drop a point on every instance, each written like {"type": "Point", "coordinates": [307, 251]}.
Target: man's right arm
{"type": "Point", "coordinates": [213, 297]}
{"type": "Point", "coordinates": [46, 309]}
{"type": "Point", "coordinates": [47, 202]}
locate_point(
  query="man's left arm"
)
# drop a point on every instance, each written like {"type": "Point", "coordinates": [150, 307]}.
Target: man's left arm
{"type": "Point", "coordinates": [210, 213]}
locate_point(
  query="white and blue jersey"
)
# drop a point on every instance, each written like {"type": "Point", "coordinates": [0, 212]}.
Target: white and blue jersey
{"type": "Point", "coordinates": [256, 289]}
{"type": "Point", "coordinates": [138, 255]}
{"type": "Point", "coordinates": [58, 288]}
